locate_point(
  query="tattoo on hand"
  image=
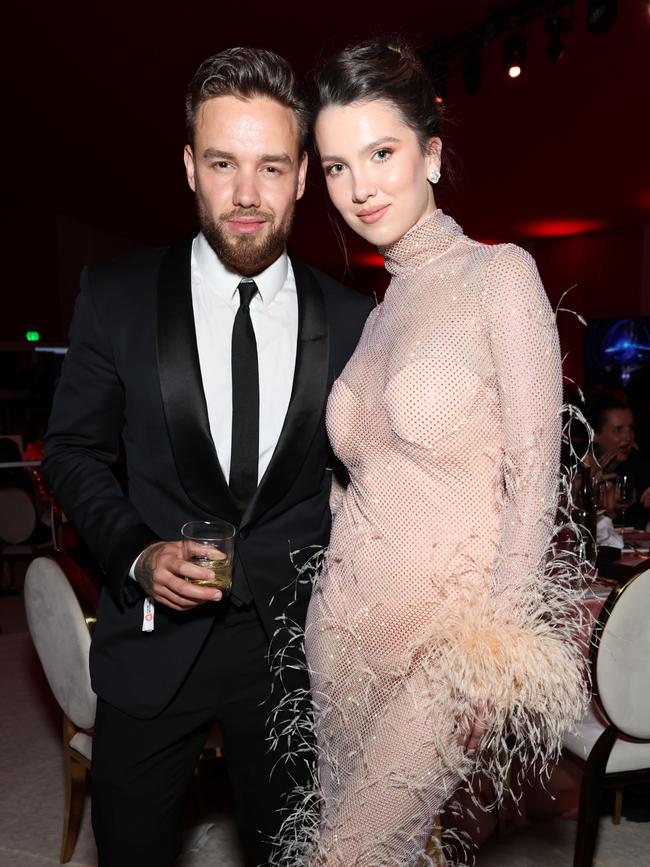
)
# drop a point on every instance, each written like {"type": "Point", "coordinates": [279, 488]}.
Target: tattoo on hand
{"type": "Point", "coordinates": [145, 566]}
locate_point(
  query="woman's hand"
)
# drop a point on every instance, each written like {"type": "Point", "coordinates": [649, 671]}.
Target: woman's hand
{"type": "Point", "coordinates": [603, 462]}
{"type": "Point", "coordinates": [470, 731]}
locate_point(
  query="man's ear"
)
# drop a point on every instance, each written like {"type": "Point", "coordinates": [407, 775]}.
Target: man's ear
{"type": "Point", "coordinates": [302, 175]}
{"type": "Point", "coordinates": [188, 159]}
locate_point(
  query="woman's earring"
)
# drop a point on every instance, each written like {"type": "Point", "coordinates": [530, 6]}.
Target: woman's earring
{"type": "Point", "coordinates": [434, 176]}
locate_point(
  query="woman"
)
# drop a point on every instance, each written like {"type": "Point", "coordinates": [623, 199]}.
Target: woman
{"type": "Point", "coordinates": [616, 453]}
{"type": "Point", "coordinates": [431, 625]}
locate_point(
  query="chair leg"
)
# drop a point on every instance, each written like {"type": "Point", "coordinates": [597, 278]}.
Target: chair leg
{"type": "Point", "coordinates": [590, 792]}
{"type": "Point", "coordinates": [75, 793]}
{"type": "Point", "coordinates": [8, 587]}
{"type": "Point", "coordinates": [587, 828]}
{"type": "Point", "coordinates": [618, 805]}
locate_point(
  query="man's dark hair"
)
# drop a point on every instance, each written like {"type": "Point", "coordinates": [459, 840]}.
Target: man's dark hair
{"type": "Point", "coordinates": [246, 73]}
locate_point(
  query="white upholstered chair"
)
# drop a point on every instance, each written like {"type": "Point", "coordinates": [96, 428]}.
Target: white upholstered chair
{"type": "Point", "coordinates": [60, 619]}
{"type": "Point", "coordinates": [17, 523]}
{"type": "Point", "coordinates": [61, 601]}
{"type": "Point", "coordinates": [612, 742]}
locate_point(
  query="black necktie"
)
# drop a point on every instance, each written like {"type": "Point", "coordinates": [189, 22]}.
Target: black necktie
{"type": "Point", "coordinates": [244, 455]}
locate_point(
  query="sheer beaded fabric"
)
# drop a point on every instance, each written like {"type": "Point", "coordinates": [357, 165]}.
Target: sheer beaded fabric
{"type": "Point", "coordinates": [436, 595]}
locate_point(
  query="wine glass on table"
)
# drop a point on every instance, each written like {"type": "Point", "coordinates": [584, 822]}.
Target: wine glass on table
{"type": "Point", "coordinates": [605, 497]}
{"type": "Point", "coordinates": [625, 494]}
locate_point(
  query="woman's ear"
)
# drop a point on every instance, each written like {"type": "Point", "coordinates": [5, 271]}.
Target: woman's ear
{"type": "Point", "coordinates": [434, 153]}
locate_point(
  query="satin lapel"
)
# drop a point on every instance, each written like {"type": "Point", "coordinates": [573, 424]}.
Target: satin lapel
{"type": "Point", "coordinates": [308, 396]}
{"type": "Point", "coordinates": [181, 388]}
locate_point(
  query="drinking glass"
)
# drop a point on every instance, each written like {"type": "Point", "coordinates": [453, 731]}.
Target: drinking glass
{"type": "Point", "coordinates": [210, 544]}
{"type": "Point", "coordinates": [625, 494]}
{"type": "Point", "coordinates": [606, 497]}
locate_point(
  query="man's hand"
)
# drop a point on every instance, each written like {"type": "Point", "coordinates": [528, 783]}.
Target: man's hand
{"type": "Point", "coordinates": [161, 571]}
{"type": "Point", "coordinates": [645, 498]}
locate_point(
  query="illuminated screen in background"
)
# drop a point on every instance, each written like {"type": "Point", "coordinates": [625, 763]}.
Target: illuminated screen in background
{"type": "Point", "coordinates": [617, 351]}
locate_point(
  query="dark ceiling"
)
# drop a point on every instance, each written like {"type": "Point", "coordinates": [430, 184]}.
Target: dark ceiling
{"type": "Point", "coordinates": [95, 96]}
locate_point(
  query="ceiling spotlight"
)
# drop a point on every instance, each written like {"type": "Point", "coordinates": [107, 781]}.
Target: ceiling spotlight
{"type": "Point", "coordinates": [514, 55]}
{"type": "Point", "coordinates": [556, 26]}
{"type": "Point", "coordinates": [601, 14]}
{"type": "Point", "coordinates": [472, 66]}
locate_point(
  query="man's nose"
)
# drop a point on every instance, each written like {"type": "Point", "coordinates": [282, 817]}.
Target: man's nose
{"type": "Point", "coordinates": [246, 192]}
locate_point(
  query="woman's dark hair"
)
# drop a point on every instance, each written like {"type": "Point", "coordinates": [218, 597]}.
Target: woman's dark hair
{"type": "Point", "coordinates": [599, 406]}
{"type": "Point", "coordinates": [387, 68]}
{"type": "Point", "coordinates": [247, 72]}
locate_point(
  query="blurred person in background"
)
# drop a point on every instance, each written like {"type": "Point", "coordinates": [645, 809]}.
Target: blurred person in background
{"type": "Point", "coordinates": [616, 453]}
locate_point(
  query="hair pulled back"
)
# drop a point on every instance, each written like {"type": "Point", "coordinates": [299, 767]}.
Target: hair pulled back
{"type": "Point", "coordinates": [386, 68]}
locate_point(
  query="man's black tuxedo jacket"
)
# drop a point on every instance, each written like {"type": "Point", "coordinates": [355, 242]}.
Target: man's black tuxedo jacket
{"type": "Point", "coordinates": [132, 371]}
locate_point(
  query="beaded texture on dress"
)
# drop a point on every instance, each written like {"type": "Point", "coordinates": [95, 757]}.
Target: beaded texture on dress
{"type": "Point", "coordinates": [438, 594]}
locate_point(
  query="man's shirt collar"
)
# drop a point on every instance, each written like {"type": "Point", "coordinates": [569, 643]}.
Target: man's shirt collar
{"type": "Point", "coordinates": [224, 282]}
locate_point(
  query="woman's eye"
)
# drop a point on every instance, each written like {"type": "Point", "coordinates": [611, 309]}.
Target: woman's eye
{"type": "Point", "coordinates": [383, 154]}
{"type": "Point", "coordinates": [334, 169]}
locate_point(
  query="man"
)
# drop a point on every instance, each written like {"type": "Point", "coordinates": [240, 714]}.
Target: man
{"type": "Point", "coordinates": [212, 360]}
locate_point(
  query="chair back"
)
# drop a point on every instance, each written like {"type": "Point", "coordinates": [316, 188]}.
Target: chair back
{"type": "Point", "coordinates": [621, 658]}
{"type": "Point", "coordinates": [61, 636]}
{"type": "Point", "coordinates": [17, 449]}
{"type": "Point", "coordinates": [17, 515]}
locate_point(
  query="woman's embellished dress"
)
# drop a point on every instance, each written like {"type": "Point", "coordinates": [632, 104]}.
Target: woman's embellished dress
{"type": "Point", "coordinates": [437, 596]}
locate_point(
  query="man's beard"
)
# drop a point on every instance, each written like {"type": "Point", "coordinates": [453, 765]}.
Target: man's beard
{"type": "Point", "coordinates": [245, 254]}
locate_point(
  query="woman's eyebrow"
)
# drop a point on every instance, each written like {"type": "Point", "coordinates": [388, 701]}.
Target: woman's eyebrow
{"type": "Point", "coordinates": [387, 139]}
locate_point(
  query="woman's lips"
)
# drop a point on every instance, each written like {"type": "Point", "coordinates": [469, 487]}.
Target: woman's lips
{"type": "Point", "coordinates": [371, 216]}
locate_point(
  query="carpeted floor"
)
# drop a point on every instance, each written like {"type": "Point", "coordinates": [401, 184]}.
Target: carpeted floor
{"type": "Point", "coordinates": [31, 789]}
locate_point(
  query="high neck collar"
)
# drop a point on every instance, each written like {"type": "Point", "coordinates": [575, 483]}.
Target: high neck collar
{"type": "Point", "coordinates": [427, 240]}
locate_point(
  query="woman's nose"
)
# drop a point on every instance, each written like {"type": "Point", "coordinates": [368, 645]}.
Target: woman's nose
{"type": "Point", "coordinates": [362, 189]}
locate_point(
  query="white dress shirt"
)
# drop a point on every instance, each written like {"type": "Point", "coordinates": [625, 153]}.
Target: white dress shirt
{"type": "Point", "coordinates": [274, 314]}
